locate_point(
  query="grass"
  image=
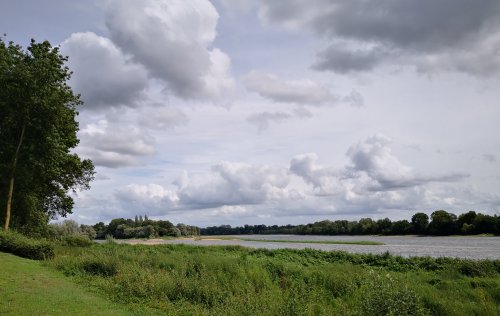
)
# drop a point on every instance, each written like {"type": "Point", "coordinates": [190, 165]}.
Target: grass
{"type": "Point", "coordinates": [29, 288]}
{"type": "Point", "coordinates": [233, 280]}
{"type": "Point", "coordinates": [331, 242]}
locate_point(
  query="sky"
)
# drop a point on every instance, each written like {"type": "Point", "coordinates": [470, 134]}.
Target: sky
{"type": "Point", "coordinates": [279, 112]}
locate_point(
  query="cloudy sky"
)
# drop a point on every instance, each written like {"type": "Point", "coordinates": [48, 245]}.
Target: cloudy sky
{"type": "Point", "coordinates": [276, 112]}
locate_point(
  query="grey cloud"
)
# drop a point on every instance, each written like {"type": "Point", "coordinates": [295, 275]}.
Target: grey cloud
{"type": "Point", "coordinates": [162, 118]}
{"type": "Point", "coordinates": [302, 112]}
{"type": "Point", "coordinates": [490, 158]}
{"type": "Point", "coordinates": [432, 35]}
{"type": "Point", "coordinates": [108, 159]}
{"type": "Point", "coordinates": [262, 120]}
{"type": "Point", "coordinates": [173, 40]}
{"type": "Point", "coordinates": [344, 60]}
{"type": "Point", "coordinates": [102, 73]}
{"type": "Point", "coordinates": [354, 98]}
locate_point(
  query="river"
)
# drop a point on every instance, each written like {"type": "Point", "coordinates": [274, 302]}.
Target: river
{"type": "Point", "coordinates": [406, 246]}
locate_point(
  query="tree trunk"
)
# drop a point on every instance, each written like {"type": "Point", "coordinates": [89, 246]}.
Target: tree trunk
{"type": "Point", "coordinates": [11, 180]}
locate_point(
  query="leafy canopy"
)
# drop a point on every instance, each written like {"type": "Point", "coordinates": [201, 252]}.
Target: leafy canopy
{"type": "Point", "coordinates": [37, 116]}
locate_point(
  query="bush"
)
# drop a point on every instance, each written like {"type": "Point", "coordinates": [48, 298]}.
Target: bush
{"type": "Point", "coordinates": [23, 246]}
{"type": "Point", "coordinates": [481, 268]}
{"type": "Point", "coordinates": [76, 241]}
{"type": "Point", "coordinates": [100, 268]}
{"type": "Point", "coordinates": [383, 296]}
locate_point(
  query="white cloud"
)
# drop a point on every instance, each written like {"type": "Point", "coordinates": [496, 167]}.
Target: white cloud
{"type": "Point", "coordinates": [152, 199]}
{"type": "Point", "coordinates": [173, 40]}
{"type": "Point", "coordinates": [302, 92]}
{"type": "Point", "coordinates": [114, 144]}
{"type": "Point", "coordinates": [373, 181]}
{"type": "Point", "coordinates": [372, 171]}
{"type": "Point", "coordinates": [233, 184]}
{"type": "Point", "coordinates": [103, 74]}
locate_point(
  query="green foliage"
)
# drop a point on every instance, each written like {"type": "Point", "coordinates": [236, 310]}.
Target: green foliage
{"type": "Point", "coordinates": [101, 268]}
{"type": "Point", "coordinates": [65, 228]}
{"type": "Point", "coordinates": [480, 268]}
{"type": "Point", "coordinates": [143, 228]}
{"type": "Point", "coordinates": [23, 246]}
{"type": "Point", "coordinates": [420, 221]}
{"type": "Point", "coordinates": [443, 223]}
{"type": "Point", "coordinates": [76, 241]}
{"type": "Point", "coordinates": [233, 280]}
{"type": "Point", "coordinates": [38, 130]}
{"type": "Point", "coordinates": [382, 295]}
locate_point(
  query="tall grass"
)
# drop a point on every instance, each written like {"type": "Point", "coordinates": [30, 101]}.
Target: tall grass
{"type": "Point", "coordinates": [232, 280]}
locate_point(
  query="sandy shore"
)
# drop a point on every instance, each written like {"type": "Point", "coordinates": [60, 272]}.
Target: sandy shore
{"type": "Point", "coordinates": [159, 241]}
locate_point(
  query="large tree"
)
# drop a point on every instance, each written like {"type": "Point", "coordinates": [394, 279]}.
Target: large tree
{"type": "Point", "coordinates": [38, 130]}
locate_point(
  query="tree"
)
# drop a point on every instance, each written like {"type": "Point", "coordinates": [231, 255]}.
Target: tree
{"type": "Point", "coordinates": [37, 132]}
{"type": "Point", "coordinates": [464, 222]}
{"type": "Point", "coordinates": [442, 223]}
{"type": "Point", "coordinates": [419, 223]}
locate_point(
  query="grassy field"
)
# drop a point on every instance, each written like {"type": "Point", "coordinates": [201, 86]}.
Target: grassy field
{"type": "Point", "coordinates": [232, 280]}
{"type": "Point", "coordinates": [29, 288]}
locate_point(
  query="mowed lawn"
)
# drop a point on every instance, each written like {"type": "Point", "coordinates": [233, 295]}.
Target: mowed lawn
{"type": "Point", "coordinates": [29, 288]}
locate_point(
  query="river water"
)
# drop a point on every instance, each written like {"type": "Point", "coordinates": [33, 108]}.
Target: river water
{"type": "Point", "coordinates": [406, 246]}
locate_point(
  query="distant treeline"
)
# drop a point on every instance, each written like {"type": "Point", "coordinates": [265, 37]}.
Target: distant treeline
{"type": "Point", "coordinates": [143, 228]}
{"type": "Point", "coordinates": [440, 223]}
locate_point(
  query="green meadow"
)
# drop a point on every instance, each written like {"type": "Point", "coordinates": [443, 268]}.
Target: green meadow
{"type": "Point", "coordinates": [74, 276]}
{"type": "Point", "coordinates": [232, 280]}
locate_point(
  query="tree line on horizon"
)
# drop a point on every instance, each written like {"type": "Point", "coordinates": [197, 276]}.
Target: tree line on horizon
{"type": "Point", "coordinates": [143, 227]}
{"type": "Point", "coordinates": [440, 223]}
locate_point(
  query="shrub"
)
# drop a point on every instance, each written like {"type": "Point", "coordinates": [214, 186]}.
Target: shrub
{"type": "Point", "coordinates": [23, 246]}
{"type": "Point", "coordinates": [382, 295]}
{"type": "Point", "coordinates": [482, 268]}
{"type": "Point", "coordinates": [101, 268]}
{"type": "Point", "coordinates": [76, 241]}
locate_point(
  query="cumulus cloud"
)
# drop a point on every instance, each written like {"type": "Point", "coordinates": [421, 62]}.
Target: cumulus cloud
{"type": "Point", "coordinates": [153, 198]}
{"type": "Point", "coordinates": [372, 170]}
{"type": "Point", "coordinates": [374, 158]}
{"type": "Point", "coordinates": [103, 74]}
{"type": "Point", "coordinates": [114, 144]}
{"type": "Point", "coordinates": [173, 40]}
{"type": "Point", "coordinates": [373, 179]}
{"type": "Point", "coordinates": [234, 184]}
{"type": "Point", "coordinates": [324, 179]}
{"type": "Point", "coordinates": [427, 34]}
